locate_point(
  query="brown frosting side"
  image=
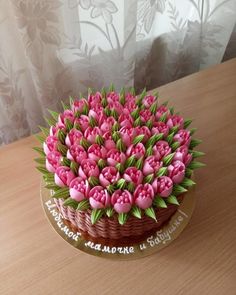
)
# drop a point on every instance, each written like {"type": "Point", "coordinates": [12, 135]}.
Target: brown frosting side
{"type": "Point", "coordinates": [108, 231]}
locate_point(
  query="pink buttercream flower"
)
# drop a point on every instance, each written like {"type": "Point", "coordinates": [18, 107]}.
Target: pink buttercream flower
{"type": "Point", "coordinates": [73, 137]}
{"type": "Point", "coordinates": [130, 106]}
{"type": "Point", "coordinates": [149, 100]}
{"type": "Point", "coordinates": [67, 114]}
{"type": "Point", "coordinates": [116, 105]}
{"type": "Point", "coordinates": [138, 150]}
{"type": "Point", "coordinates": [183, 137]}
{"type": "Point", "coordinates": [146, 115]}
{"type": "Point", "coordinates": [109, 175]}
{"type": "Point", "coordinates": [99, 198]}
{"type": "Point", "coordinates": [112, 96]}
{"type": "Point", "coordinates": [91, 133]}
{"type": "Point", "coordinates": [53, 161]}
{"type": "Point", "coordinates": [143, 130]}
{"type": "Point", "coordinates": [114, 157]}
{"type": "Point", "coordinates": [76, 153]}
{"type": "Point", "coordinates": [83, 122]}
{"type": "Point", "coordinates": [106, 124]}
{"type": "Point", "coordinates": [122, 201]}
{"type": "Point", "coordinates": [175, 120]}
{"type": "Point", "coordinates": [54, 129]}
{"type": "Point", "coordinates": [130, 97]}
{"type": "Point", "coordinates": [88, 168]}
{"type": "Point", "coordinates": [127, 134]}
{"type": "Point", "coordinates": [143, 195]}
{"type": "Point", "coordinates": [132, 174]}
{"type": "Point", "coordinates": [109, 142]}
{"type": "Point", "coordinates": [176, 171]}
{"type": "Point", "coordinates": [151, 165]}
{"type": "Point", "coordinates": [163, 186]}
{"type": "Point", "coordinates": [161, 149]}
{"type": "Point", "coordinates": [96, 152]}
{"type": "Point", "coordinates": [79, 104]}
{"type": "Point", "coordinates": [94, 99]}
{"type": "Point", "coordinates": [160, 127]}
{"type": "Point", "coordinates": [182, 155]}
{"type": "Point", "coordinates": [161, 110]}
{"type": "Point", "coordinates": [79, 189]}
{"type": "Point", "coordinates": [125, 120]}
{"type": "Point", "coordinates": [63, 176]}
{"type": "Point", "coordinates": [50, 144]}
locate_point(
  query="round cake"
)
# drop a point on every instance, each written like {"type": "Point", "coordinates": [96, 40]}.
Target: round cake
{"type": "Point", "coordinates": [117, 165]}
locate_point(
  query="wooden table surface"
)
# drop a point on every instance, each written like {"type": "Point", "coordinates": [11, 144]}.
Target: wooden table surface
{"type": "Point", "coordinates": [34, 259]}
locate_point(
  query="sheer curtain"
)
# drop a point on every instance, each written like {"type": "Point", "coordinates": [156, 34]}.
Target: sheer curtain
{"type": "Point", "coordinates": [51, 49]}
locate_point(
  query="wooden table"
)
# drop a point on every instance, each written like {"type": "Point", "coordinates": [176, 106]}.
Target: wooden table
{"type": "Point", "coordinates": [35, 260]}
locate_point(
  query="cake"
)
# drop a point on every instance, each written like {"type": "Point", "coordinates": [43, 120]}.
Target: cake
{"type": "Point", "coordinates": [117, 165]}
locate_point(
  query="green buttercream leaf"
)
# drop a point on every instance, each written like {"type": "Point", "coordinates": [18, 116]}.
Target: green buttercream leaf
{"type": "Point", "coordinates": [50, 121]}
{"type": "Point", "coordinates": [159, 202]}
{"type": "Point", "coordinates": [101, 163]}
{"type": "Point", "coordinates": [162, 171]}
{"type": "Point", "coordinates": [135, 114]}
{"type": "Point", "coordinates": [122, 217]}
{"type": "Point", "coordinates": [139, 163]}
{"type": "Point", "coordinates": [69, 202]}
{"type": "Point", "coordinates": [74, 167]}
{"type": "Point", "coordinates": [175, 145]}
{"type": "Point", "coordinates": [165, 103]}
{"type": "Point", "coordinates": [40, 138]}
{"type": "Point", "coordinates": [187, 182]}
{"type": "Point", "coordinates": [120, 145]}
{"type": "Point", "coordinates": [138, 139]}
{"type": "Point", "coordinates": [121, 184]}
{"type": "Point", "coordinates": [104, 102]}
{"type": "Point", "coordinates": [71, 100]}
{"type": "Point", "coordinates": [65, 106]}
{"type": "Point", "coordinates": [174, 129]}
{"type": "Point", "coordinates": [114, 114]}
{"type": "Point", "coordinates": [42, 170]}
{"type": "Point", "coordinates": [65, 162]}
{"type": "Point", "coordinates": [168, 159]}
{"type": "Point", "coordinates": [120, 167]}
{"type": "Point", "coordinates": [111, 88]}
{"type": "Point", "coordinates": [153, 108]}
{"type": "Point", "coordinates": [172, 110]}
{"type": "Point", "coordinates": [83, 205]}
{"type": "Point", "coordinates": [135, 211]}
{"type": "Point", "coordinates": [103, 92]}
{"type": "Point", "coordinates": [131, 187]}
{"type": "Point", "coordinates": [130, 161]}
{"type": "Point", "coordinates": [188, 172]}
{"type": "Point", "coordinates": [62, 149]}
{"type": "Point", "coordinates": [93, 122]}
{"type": "Point", "coordinates": [111, 188]}
{"type": "Point", "coordinates": [163, 117]}
{"type": "Point", "coordinates": [194, 143]}
{"type": "Point", "coordinates": [62, 193]}
{"type": "Point", "coordinates": [194, 165]}
{"type": "Point", "coordinates": [170, 137]}
{"type": "Point", "coordinates": [192, 131]}
{"type": "Point", "coordinates": [53, 114]}
{"type": "Point", "coordinates": [40, 161]}
{"type": "Point", "coordinates": [96, 215]}
{"type": "Point", "coordinates": [149, 178]}
{"type": "Point", "coordinates": [115, 136]}
{"type": "Point", "coordinates": [85, 144]}
{"type": "Point", "coordinates": [196, 154]}
{"type": "Point", "coordinates": [187, 122]}
{"type": "Point", "coordinates": [85, 110]}
{"type": "Point", "coordinates": [115, 127]}
{"type": "Point", "coordinates": [172, 200]}
{"type": "Point", "coordinates": [52, 186]}
{"type": "Point", "coordinates": [93, 181]}
{"type": "Point", "coordinates": [178, 189]}
{"type": "Point", "coordinates": [149, 124]}
{"type": "Point", "coordinates": [137, 122]}
{"type": "Point", "coordinates": [44, 130]}
{"type": "Point", "coordinates": [154, 139]}
{"type": "Point", "coordinates": [69, 125]}
{"type": "Point", "coordinates": [61, 136]}
{"type": "Point", "coordinates": [149, 151]}
{"type": "Point", "coordinates": [90, 91]}
{"type": "Point", "coordinates": [109, 212]}
{"type": "Point", "coordinates": [150, 212]}
{"type": "Point", "coordinates": [99, 140]}
{"type": "Point", "coordinates": [132, 91]}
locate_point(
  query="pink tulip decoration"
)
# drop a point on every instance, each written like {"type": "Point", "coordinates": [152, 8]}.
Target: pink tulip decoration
{"type": "Point", "coordinates": [73, 137]}
{"type": "Point", "coordinates": [127, 134]}
{"type": "Point", "coordinates": [79, 189]}
{"type": "Point", "coordinates": [132, 174]}
{"type": "Point", "coordinates": [91, 133]}
{"type": "Point", "coordinates": [106, 124]}
{"type": "Point", "coordinates": [146, 115]}
{"type": "Point", "coordinates": [125, 120]}
{"type": "Point", "coordinates": [175, 120]}
{"type": "Point", "coordinates": [50, 144]}
{"type": "Point", "coordinates": [137, 150]}
{"type": "Point", "coordinates": [83, 122]}
{"type": "Point", "coordinates": [144, 195]}
{"type": "Point", "coordinates": [139, 130]}
{"type": "Point", "coordinates": [96, 152]}
{"type": "Point", "coordinates": [115, 157]}
{"type": "Point", "coordinates": [67, 114]}
{"type": "Point", "coordinates": [78, 105]}
{"type": "Point", "coordinates": [122, 201]}
{"type": "Point", "coordinates": [53, 161]}
{"type": "Point", "coordinates": [88, 168]}
{"type": "Point", "coordinates": [109, 142]}
{"type": "Point", "coordinates": [109, 175]}
{"type": "Point", "coordinates": [183, 137]}
{"type": "Point", "coordinates": [63, 176]}
{"type": "Point", "coordinates": [149, 100]}
{"type": "Point", "coordinates": [151, 165]}
{"type": "Point", "coordinates": [115, 105]}
{"type": "Point", "coordinates": [76, 153]}
{"type": "Point", "coordinates": [176, 171]}
{"type": "Point", "coordinates": [130, 106]}
{"type": "Point", "coordinates": [94, 99]}
{"type": "Point", "coordinates": [113, 96]}
{"type": "Point", "coordinates": [161, 110]}
{"type": "Point", "coordinates": [182, 155]}
{"type": "Point", "coordinates": [163, 186]}
{"type": "Point", "coordinates": [160, 127]}
{"type": "Point", "coordinates": [161, 149]}
{"type": "Point", "coordinates": [99, 198]}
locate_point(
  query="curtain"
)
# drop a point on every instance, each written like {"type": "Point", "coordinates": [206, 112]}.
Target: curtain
{"type": "Point", "coordinates": [53, 49]}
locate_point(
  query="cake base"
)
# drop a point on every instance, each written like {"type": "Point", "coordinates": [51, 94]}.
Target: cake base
{"type": "Point", "coordinates": [134, 248]}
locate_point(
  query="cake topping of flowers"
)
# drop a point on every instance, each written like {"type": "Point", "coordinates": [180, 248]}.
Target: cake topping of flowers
{"type": "Point", "coordinates": [118, 154]}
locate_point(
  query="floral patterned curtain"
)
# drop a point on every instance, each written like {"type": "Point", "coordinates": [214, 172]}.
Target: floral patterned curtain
{"type": "Point", "coordinates": [51, 49]}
